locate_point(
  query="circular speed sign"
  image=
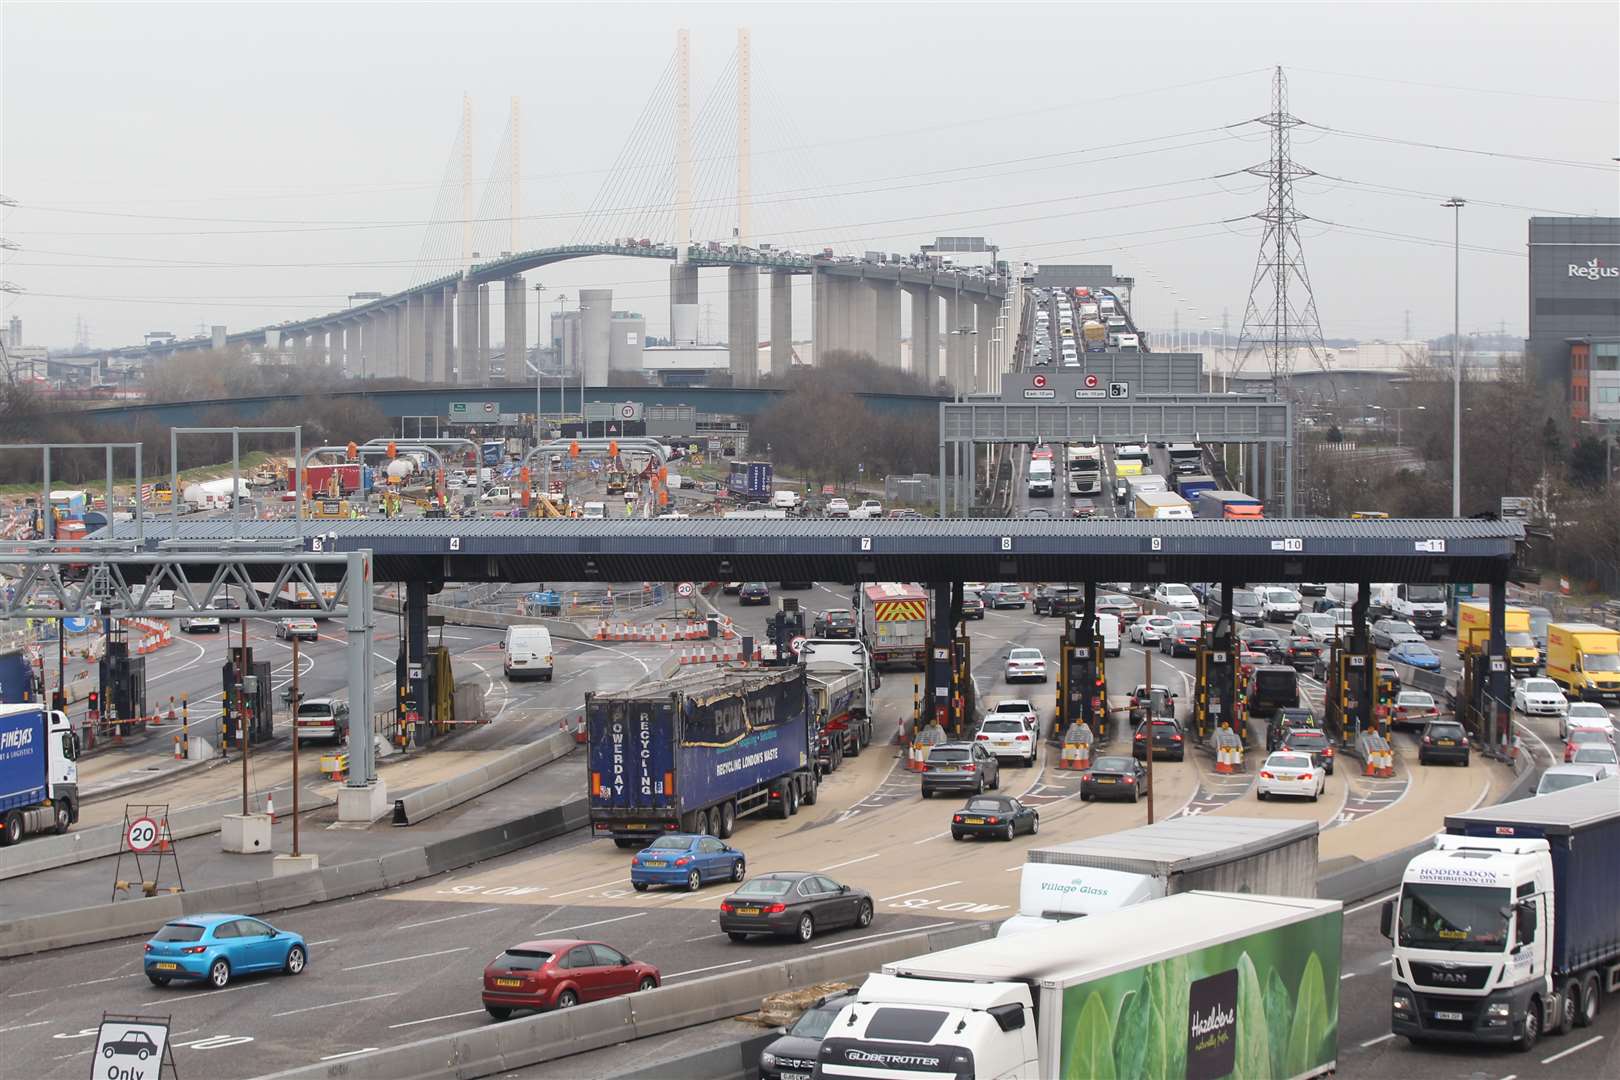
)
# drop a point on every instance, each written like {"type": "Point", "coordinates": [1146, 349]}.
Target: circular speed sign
{"type": "Point", "coordinates": [142, 835]}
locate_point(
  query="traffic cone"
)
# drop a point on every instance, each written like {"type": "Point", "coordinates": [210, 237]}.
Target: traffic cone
{"type": "Point", "coordinates": [270, 806]}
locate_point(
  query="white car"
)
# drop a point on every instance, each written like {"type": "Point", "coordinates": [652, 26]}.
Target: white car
{"type": "Point", "coordinates": [838, 506]}
{"type": "Point", "coordinates": [1560, 777]}
{"type": "Point", "coordinates": [1414, 707]}
{"type": "Point", "coordinates": [1279, 605]}
{"type": "Point", "coordinates": [1023, 709]}
{"type": "Point", "coordinates": [1539, 697]}
{"type": "Point", "coordinates": [301, 627]}
{"type": "Point", "coordinates": [1587, 714]}
{"type": "Point", "coordinates": [1286, 773]}
{"type": "Point", "coordinates": [1025, 664]}
{"type": "Point", "coordinates": [869, 508]}
{"type": "Point", "coordinates": [1148, 631]}
{"type": "Point", "coordinates": [191, 624]}
{"type": "Point", "coordinates": [1176, 597]}
{"type": "Point", "coordinates": [1602, 756]}
{"type": "Point", "coordinates": [1319, 626]}
{"type": "Point", "coordinates": [1007, 737]}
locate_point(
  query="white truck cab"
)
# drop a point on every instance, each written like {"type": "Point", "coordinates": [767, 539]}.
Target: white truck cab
{"type": "Point", "coordinates": [972, 1029]}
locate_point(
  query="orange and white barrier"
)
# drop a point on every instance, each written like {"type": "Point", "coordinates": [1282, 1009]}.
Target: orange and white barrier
{"type": "Point", "coordinates": [1076, 752]}
{"type": "Point", "coordinates": [1228, 756]}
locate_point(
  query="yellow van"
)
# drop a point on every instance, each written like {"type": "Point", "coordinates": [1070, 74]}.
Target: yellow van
{"type": "Point", "coordinates": [1584, 659]}
{"type": "Point", "coordinates": [1474, 631]}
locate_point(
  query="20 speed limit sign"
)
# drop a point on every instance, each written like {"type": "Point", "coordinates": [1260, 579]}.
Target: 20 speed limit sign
{"type": "Point", "coordinates": [142, 835]}
{"type": "Point", "coordinates": [684, 589]}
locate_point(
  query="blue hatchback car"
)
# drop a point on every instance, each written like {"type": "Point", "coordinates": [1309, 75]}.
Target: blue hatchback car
{"type": "Point", "coordinates": [214, 948]}
{"type": "Point", "coordinates": [688, 859]}
{"type": "Point", "coordinates": [1415, 654]}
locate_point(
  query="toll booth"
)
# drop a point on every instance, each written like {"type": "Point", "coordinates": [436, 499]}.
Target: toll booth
{"type": "Point", "coordinates": [1215, 690]}
{"type": "Point", "coordinates": [1082, 692]}
{"type": "Point", "coordinates": [786, 625]}
{"type": "Point", "coordinates": [246, 705]}
{"type": "Point", "coordinates": [1486, 718]}
{"type": "Point", "coordinates": [122, 685]}
{"type": "Point", "coordinates": [964, 695]}
{"type": "Point", "coordinates": [1356, 699]}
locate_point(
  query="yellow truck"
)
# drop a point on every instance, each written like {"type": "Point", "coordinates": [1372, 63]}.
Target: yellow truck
{"type": "Point", "coordinates": [1474, 632]}
{"type": "Point", "coordinates": [1584, 659]}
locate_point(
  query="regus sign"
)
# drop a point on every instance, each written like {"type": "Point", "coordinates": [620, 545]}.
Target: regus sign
{"type": "Point", "coordinates": [1593, 270]}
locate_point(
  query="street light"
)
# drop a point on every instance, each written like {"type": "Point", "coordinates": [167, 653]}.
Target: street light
{"type": "Point", "coordinates": [1455, 205]}
{"type": "Point", "coordinates": [538, 300]}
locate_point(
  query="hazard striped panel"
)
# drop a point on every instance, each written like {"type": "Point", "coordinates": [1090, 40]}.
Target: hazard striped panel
{"type": "Point", "coordinates": [900, 610]}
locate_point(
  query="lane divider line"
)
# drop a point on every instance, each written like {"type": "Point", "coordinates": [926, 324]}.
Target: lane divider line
{"type": "Point", "coordinates": [335, 1004]}
{"type": "Point", "coordinates": [914, 892]}
{"type": "Point", "coordinates": [403, 959]}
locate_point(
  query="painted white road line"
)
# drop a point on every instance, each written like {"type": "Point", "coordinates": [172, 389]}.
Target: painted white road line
{"type": "Point", "coordinates": [714, 967]}
{"type": "Point", "coordinates": [925, 839]}
{"type": "Point", "coordinates": [446, 918]}
{"type": "Point", "coordinates": [71, 986]}
{"type": "Point", "coordinates": [1578, 1046]}
{"type": "Point", "coordinates": [914, 892]}
{"type": "Point", "coordinates": [1375, 1042]}
{"type": "Point", "coordinates": [323, 941]}
{"type": "Point", "coordinates": [20, 1027]}
{"type": "Point", "coordinates": [886, 933]}
{"type": "Point", "coordinates": [582, 926]}
{"type": "Point", "coordinates": [587, 888]}
{"type": "Point", "coordinates": [335, 1004]}
{"type": "Point", "coordinates": [351, 1053]}
{"type": "Point", "coordinates": [434, 1019]}
{"type": "Point", "coordinates": [849, 862]}
{"type": "Point", "coordinates": [403, 959]}
{"type": "Point", "coordinates": [179, 999]}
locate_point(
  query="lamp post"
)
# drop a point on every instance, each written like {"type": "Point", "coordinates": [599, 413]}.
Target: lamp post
{"type": "Point", "coordinates": [562, 373]}
{"type": "Point", "coordinates": [1455, 205]}
{"type": "Point", "coordinates": [583, 308]}
{"type": "Point", "coordinates": [960, 392]}
{"type": "Point", "coordinates": [538, 300]}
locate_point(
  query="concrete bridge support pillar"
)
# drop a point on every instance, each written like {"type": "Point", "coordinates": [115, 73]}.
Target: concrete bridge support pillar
{"type": "Point", "coordinates": [958, 345]}
{"type": "Point", "coordinates": [743, 316]}
{"type": "Point", "coordinates": [416, 337]}
{"type": "Point", "coordinates": [863, 317]}
{"type": "Point", "coordinates": [924, 333]}
{"type": "Point", "coordinates": [885, 322]}
{"type": "Point", "coordinates": [683, 303]}
{"type": "Point", "coordinates": [444, 343]}
{"type": "Point", "coordinates": [396, 340]}
{"type": "Point", "coordinates": [820, 324]}
{"type": "Point", "coordinates": [851, 292]}
{"type": "Point", "coordinates": [432, 334]}
{"type": "Point", "coordinates": [781, 322]}
{"type": "Point", "coordinates": [517, 333]}
{"type": "Point", "coordinates": [989, 311]}
{"type": "Point", "coordinates": [484, 340]}
{"type": "Point", "coordinates": [467, 367]}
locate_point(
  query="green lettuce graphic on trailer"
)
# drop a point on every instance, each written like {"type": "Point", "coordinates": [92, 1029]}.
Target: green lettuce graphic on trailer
{"type": "Point", "coordinates": [1262, 1007]}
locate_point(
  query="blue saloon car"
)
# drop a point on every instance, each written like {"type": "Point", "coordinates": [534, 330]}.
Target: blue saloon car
{"type": "Point", "coordinates": [687, 859]}
{"type": "Point", "coordinates": [1416, 654]}
{"type": "Point", "coordinates": [214, 948]}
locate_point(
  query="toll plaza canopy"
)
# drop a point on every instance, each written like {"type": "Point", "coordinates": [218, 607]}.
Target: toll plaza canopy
{"type": "Point", "coordinates": [920, 550]}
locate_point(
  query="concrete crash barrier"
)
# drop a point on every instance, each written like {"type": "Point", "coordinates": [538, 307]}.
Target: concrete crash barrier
{"type": "Point", "coordinates": [125, 918]}
{"type": "Point", "coordinates": [104, 922]}
{"type": "Point", "coordinates": [424, 803]}
{"type": "Point", "coordinates": [81, 845]}
{"type": "Point", "coordinates": [568, 629]}
{"type": "Point", "coordinates": [531, 1040]}
{"type": "Point", "coordinates": [731, 1061]}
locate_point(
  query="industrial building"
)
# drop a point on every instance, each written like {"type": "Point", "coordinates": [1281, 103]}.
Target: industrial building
{"type": "Point", "coordinates": [1574, 298]}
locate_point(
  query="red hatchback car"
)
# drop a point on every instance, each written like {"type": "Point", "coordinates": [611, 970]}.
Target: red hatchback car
{"type": "Point", "coordinates": [561, 973]}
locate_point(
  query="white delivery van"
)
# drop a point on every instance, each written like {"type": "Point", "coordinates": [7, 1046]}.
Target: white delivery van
{"type": "Point", "coordinates": [595, 510]}
{"type": "Point", "coordinates": [1108, 630]}
{"type": "Point", "coordinates": [784, 499]}
{"type": "Point", "coordinates": [527, 652]}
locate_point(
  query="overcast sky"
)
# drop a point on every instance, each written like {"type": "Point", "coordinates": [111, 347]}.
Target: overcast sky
{"type": "Point", "coordinates": [299, 150]}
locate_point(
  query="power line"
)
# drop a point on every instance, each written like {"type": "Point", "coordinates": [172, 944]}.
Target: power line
{"type": "Point", "coordinates": [1532, 158]}
{"type": "Point", "coordinates": [1463, 89]}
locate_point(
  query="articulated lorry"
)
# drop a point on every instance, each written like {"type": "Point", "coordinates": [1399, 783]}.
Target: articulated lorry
{"type": "Point", "coordinates": [894, 625]}
{"type": "Point", "coordinates": [696, 754]}
{"type": "Point", "coordinates": [1084, 878]}
{"type": "Point", "coordinates": [39, 772]}
{"type": "Point", "coordinates": [1474, 635]}
{"type": "Point", "coordinates": [841, 683]}
{"type": "Point", "coordinates": [1084, 461]}
{"type": "Point", "coordinates": [1198, 985]}
{"type": "Point", "coordinates": [1508, 929]}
